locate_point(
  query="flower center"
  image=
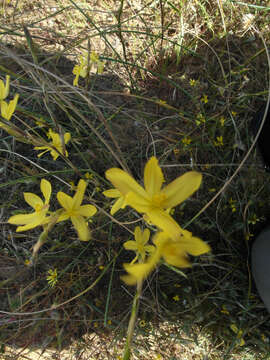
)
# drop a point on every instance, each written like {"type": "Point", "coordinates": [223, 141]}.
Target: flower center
{"type": "Point", "coordinates": [39, 207]}
{"type": "Point", "coordinates": [158, 200]}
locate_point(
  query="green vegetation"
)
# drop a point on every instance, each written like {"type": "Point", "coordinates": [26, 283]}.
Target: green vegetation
{"type": "Point", "coordinates": [164, 91]}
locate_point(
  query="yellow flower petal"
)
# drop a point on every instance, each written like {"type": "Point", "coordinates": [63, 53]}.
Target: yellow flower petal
{"type": "Point", "coordinates": [130, 245]}
{"type": "Point", "coordinates": [46, 190]}
{"type": "Point", "coordinates": [124, 182]}
{"type": "Point", "coordinates": [30, 226]}
{"type": "Point", "coordinates": [181, 188]}
{"type": "Point", "coordinates": [4, 89]}
{"type": "Point", "coordinates": [22, 219]}
{"type": "Point", "coordinates": [145, 236]}
{"type": "Point", "coordinates": [81, 227]}
{"type": "Point", "coordinates": [138, 272]}
{"type": "Point", "coordinates": [112, 193]}
{"type": "Point", "coordinates": [138, 202]}
{"type": "Point", "coordinates": [194, 246]}
{"type": "Point", "coordinates": [67, 137]}
{"type": "Point", "coordinates": [33, 200]}
{"type": "Point", "coordinates": [119, 204]}
{"type": "Point", "coordinates": [78, 197]}
{"type": "Point", "coordinates": [153, 177]}
{"type": "Point", "coordinates": [165, 222]}
{"type": "Point", "coordinates": [150, 249]}
{"type": "Point", "coordinates": [87, 210]}
{"type": "Point", "coordinates": [174, 254]}
{"type": "Point", "coordinates": [64, 200]}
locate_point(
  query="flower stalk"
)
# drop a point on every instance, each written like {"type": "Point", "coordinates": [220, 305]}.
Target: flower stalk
{"type": "Point", "coordinates": [132, 321]}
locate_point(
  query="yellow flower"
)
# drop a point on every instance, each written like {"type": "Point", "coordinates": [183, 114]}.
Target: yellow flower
{"type": "Point", "coordinates": [222, 121]}
{"type": "Point", "coordinates": [38, 217]}
{"type": "Point", "coordinates": [204, 99]}
{"type": "Point", "coordinates": [186, 141]}
{"type": "Point", "coordinates": [75, 211]}
{"type": "Point", "coordinates": [7, 109]}
{"type": "Point", "coordinates": [56, 143]}
{"type": "Point", "coordinates": [173, 251]}
{"type": "Point", "coordinates": [176, 298]}
{"type": "Point", "coordinates": [140, 244]}
{"type": "Point", "coordinates": [219, 141]}
{"type": "Point", "coordinates": [94, 59]}
{"type": "Point", "coordinates": [192, 82]}
{"type": "Point", "coordinates": [200, 119]}
{"type": "Point", "coordinates": [4, 89]}
{"type": "Point", "coordinates": [119, 203]}
{"type": "Point", "coordinates": [153, 201]}
{"type": "Point", "coordinates": [80, 70]}
{"type": "Point", "coordinates": [224, 310]}
{"type": "Point", "coordinates": [239, 334]}
{"type": "Point", "coordinates": [52, 277]}
{"type": "Point", "coordinates": [88, 176]}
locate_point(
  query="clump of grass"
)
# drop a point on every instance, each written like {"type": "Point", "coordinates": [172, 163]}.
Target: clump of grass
{"type": "Point", "coordinates": [181, 82]}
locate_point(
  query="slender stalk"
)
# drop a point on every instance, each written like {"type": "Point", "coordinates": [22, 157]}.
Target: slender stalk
{"type": "Point", "coordinates": [132, 320]}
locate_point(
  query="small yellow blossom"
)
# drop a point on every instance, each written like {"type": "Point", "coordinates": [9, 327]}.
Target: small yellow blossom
{"type": "Point", "coordinates": [56, 143]}
{"type": "Point", "coordinates": [222, 121]}
{"type": "Point", "coordinates": [81, 68]}
{"type": "Point", "coordinates": [176, 298]}
{"type": "Point", "coordinates": [52, 277]}
{"type": "Point", "coordinates": [234, 113]}
{"type": "Point", "coordinates": [219, 141]}
{"type": "Point", "coordinates": [161, 102]}
{"type": "Point", "coordinates": [7, 109]}
{"type": "Point", "coordinates": [186, 141]}
{"type": "Point", "coordinates": [248, 236]}
{"type": "Point", "coordinates": [88, 176]}
{"type": "Point", "coordinates": [95, 324]}
{"type": "Point", "coordinates": [101, 267]}
{"type": "Point", "coordinates": [73, 210]}
{"type": "Point", "coordinates": [38, 217]}
{"type": "Point", "coordinates": [27, 262]}
{"type": "Point", "coordinates": [192, 82]}
{"type": "Point", "coordinates": [200, 119]}
{"type": "Point", "coordinates": [204, 99]}
{"type": "Point", "coordinates": [239, 334]}
{"type": "Point", "coordinates": [232, 204]}
{"type": "Point", "coordinates": [119, 203]}
{"type": "Point", "coordinates": [140, 245]}
{"type": "Point", "coordinates": [109, 322]}
{"type": "Point", "coordinates": [254, 219]}
{"type": "Point", "coordinates": [224, 310]}
{"type": "Point", "coordinates": [4, 89]}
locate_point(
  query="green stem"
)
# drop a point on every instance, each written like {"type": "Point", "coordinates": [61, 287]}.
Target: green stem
{"type": "Point", "coordinates": [132, 320]}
